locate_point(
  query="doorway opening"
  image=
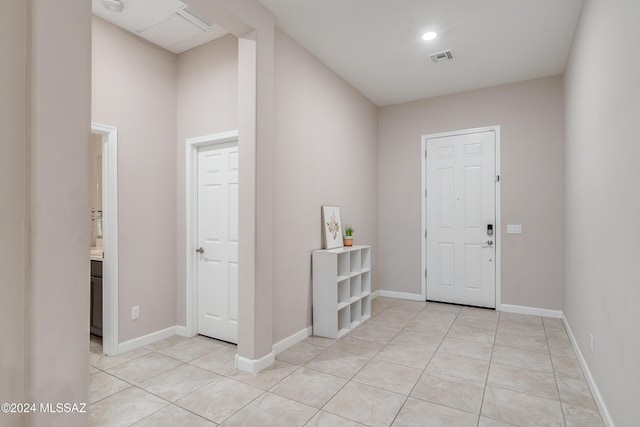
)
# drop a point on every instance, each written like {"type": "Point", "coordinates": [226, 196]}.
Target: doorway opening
{"type": "Point", "coordinates": [105, 223]}
{"type": "Point", "coordinates": [461, 217]}
{"type": "Point", "coordinates": [212, 236]}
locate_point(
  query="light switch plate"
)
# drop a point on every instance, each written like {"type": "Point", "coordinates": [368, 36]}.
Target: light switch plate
{"type": "Point", "coordinates": [514, 229]}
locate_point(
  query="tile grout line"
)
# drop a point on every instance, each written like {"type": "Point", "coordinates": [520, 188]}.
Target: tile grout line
{"type": "Point", "coordinates": [555, 379]}
{"type": "Point", "coordinates": [182, 363]}
{"type": "Point", "coordinates": [352, 378]}
{"type": "Point", "coordinates": [427, 365]}
{"type": "Point", "coordinates": [348, 380]}
{"type": "Point", "coordinates": [503, 387]}
{"type": "Point", "coordinates": [486, 380]}
{"type": "Point", "coordinates": [406, 398]}
{"type": "Point", "coordinates": [359, 370]}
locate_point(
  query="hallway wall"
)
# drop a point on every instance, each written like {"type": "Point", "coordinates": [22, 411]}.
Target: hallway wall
{"type": "Point", "coordinates": [134, 90]}
{"type": "Point", "coordinates": [207, 103]}
{"type": "Point", "coordinates": [602, 203]}
{"type": "Point", "coordinates": [58, 133]}
{"type": "Point", "coordinates": [13, 220]}
{"type": "Point", "coordinates": [325, 154]}
{"type": "Point", "coordinates": [530, 114]}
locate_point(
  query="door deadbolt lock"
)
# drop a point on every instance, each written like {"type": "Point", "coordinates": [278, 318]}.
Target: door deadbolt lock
{"type": "Point", "coordinates": [200, 250]}
{"type": "Point", "coordinates": [489, 229]}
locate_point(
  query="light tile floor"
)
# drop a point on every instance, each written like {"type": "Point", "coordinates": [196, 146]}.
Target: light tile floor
{"type": "Point", "coordinates": [411, 364]}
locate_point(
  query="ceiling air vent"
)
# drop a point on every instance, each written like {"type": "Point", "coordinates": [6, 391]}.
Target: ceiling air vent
{"type": "Point", "coordinates": [195, 17]}
{"type": "Point", "coordinates": [445, 55]}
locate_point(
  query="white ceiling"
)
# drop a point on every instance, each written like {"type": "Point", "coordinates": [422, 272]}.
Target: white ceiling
{"type": "Point", "coordinates": [376, 45]}
{"type": "Point", "coordinates": [167, 23]}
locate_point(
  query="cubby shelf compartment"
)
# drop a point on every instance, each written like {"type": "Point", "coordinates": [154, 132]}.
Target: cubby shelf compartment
{"type": "Point", "coordinates": [366, 307]}
{"type": "Point", "coordinates": [356, 313]}
{"type": "Point", "coordinates": [343, 293]}
{"type": "Point", "coordinates": [341, 289]}
{"type": "Point", "coordinates": [365, 257]}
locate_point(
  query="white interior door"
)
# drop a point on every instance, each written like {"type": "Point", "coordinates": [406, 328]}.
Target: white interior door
{"type": "Point", "coordinates": [461, 219]}
{"type": "Point", "coordinates": [218, 241]}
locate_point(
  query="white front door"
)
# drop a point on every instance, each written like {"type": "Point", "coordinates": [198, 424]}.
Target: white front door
{"type": "Point", "coordinates": [218, 241]}
{"type": "Point", "coordinates": [460, 219]}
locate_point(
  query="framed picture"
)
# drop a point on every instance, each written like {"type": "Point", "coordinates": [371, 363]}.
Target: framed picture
{"type": "Point", "coordinates": [331, 228]}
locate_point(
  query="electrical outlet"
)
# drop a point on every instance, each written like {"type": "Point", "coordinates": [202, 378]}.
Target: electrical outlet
{"type": "Point", "coordinates": [135, 312]}
{"type": "Point", "coordinates": [591, 342]}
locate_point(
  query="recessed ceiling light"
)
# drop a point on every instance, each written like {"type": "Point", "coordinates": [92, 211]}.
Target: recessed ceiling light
{"type": "Point", "coordinates": [113, 5]}
{"type": "Point", "coordinates": [429, 36]}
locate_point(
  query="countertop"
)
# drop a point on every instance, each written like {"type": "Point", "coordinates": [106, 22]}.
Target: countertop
{"type": "Point", "coordinates": [96, 254]}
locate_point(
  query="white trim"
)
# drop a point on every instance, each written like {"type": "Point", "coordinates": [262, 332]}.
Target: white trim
{"type": "Point", "coordinates": [423, 203]}
{"type": "Point", "coordinates": [497, 227]}
{"type": "Point", "coordinates": [110, 239]}
{"type": "Point", "coordinates": [254, 365]}
{"type": "Point", "coordinates": [182, 331]}
{"type": "Point", "coordinates": [375, 294]}
{"type": "Point", "coordinates": [400, 295]}
{"type": "Point", "coordinates": [147, 339]}
{"type": "Point", "coordinates": [191, 159]}
{"type": "Point", "coordinates": [520, 309]}
{"type": "Point", "coordinates": [602, 407]}
{"type": "Point", "coordinates": [292, 340]}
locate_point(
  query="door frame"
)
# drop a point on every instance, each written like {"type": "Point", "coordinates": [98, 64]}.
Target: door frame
{"type": "Point", "coordinates": [497, 228]}
{"type": "Point", "coordinates": [110, 236]}
{"type": "Point", "coordinates": [192, 146]}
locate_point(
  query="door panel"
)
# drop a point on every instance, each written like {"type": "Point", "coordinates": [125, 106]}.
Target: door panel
{"type": "Point", "coordinates": [460, 203]}
{"type": "Point", "coordinates": [218, 236]}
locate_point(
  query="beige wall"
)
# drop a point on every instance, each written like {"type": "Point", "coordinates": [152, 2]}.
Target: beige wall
{"type": "Point", "coordinates": [530, 114]}
{"type": "Point", "coordinates": [57, 301]}
{"type": "Point", "coordinates": [325, 153]}
{"type": "Point", "coordinates": [320, 110]}
{"type": "Point", "coordinates": [207, 103]}
{"type": "Point", "coordinates": [45, 301]}
{"type": "Point", "coordinates": [134, 90]}
{"type": "Point", "coordinates": [602, 203]}
{"type": "Point", "coordinates": [13, 43]}
{"type": "Point", "coordinates": [254, 26]}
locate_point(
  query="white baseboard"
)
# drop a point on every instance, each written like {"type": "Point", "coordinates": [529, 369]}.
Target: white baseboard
{"type": "Point", "coordinates": [254, 365]}
{"type": "Point", "coordinates": [400, 295]}
{"type": "Point", "coordinates": [146, 339]}
{"type": "Point", "coordinates": [604, 412]}
{"type": "Point", "coordinates": [375, 294]}
{"type": "Point", "coordinates": [519, 309]}
{"type": "Point", "coordinates": [291, 340]}
{"type": "Point", "coordinates": [182, 331]}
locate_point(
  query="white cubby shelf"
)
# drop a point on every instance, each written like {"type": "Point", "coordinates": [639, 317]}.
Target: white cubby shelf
{"type": "Point", "coordinates": [341, 289]}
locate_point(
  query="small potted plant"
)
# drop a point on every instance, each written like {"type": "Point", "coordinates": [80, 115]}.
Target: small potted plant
{"type": "Point", "coordinates": [348, 235]}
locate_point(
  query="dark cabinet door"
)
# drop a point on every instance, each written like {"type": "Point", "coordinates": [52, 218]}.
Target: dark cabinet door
{"type": "Point", "coordinates": [96, 306]}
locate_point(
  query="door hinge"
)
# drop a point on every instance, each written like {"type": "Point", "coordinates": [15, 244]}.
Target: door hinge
{"type": "Point", "coordinates": [497, 178]}
{"type": "Point", "coordinates": [425, 193]}
{"type": "Point", "coordinates": [425, 154]}
{"type": "Point", "coordinates": [425, 234]}
{"type": "Point", "coordinates": [425, 272]}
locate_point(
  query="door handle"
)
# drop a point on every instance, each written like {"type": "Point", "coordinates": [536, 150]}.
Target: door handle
{"type": "Point", "coordinates": [200, 250]}
{"type": "Point", "coordinates": [489, 244]}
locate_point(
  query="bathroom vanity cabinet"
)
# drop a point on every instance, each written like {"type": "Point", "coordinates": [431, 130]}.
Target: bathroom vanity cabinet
{"type": "Point", "coordinates": [96, 298]}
